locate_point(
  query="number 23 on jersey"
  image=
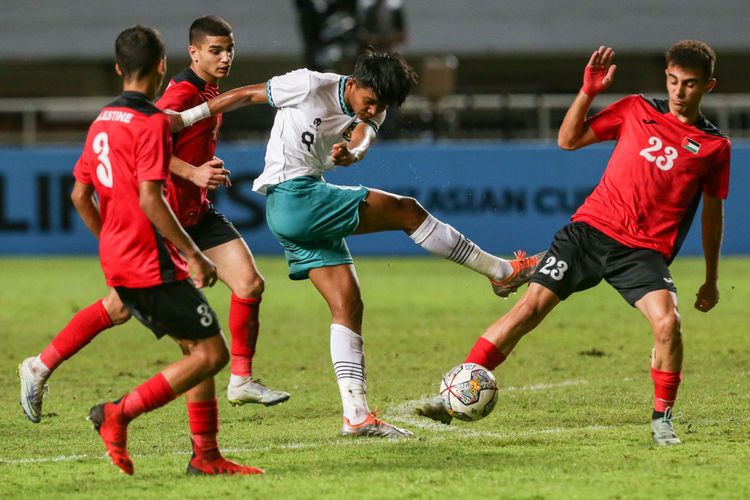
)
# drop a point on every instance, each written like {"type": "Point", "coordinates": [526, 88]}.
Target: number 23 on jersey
{"type": "Point", "coordinates": [656, 153]}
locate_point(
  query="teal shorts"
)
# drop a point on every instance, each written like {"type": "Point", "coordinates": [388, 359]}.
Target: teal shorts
{"type": "Point", "coordinates": [311, 218]}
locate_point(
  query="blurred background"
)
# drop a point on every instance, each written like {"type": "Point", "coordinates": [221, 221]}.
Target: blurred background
{"type": "Point", "coordinates": [476, 142]}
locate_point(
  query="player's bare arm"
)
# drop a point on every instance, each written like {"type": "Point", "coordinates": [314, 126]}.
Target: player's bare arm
{"type": "Point", "coordinates": [158, 212]}
{"type": "Point", "coordinates": [597, 77]}
{"type": "Point", "coordinates": [223, 103]}
{"type": "Point", "coordinates": [210, 175]}
{"type": "Point", "coordinates": [87, 207]}
{"type": "Point", "coordinates": [347, 153]}
{"type": "Point", "coordinates": [712, 222]}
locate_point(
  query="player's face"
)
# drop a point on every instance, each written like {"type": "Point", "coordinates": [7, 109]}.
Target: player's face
{"type": "Point", "coordinates": [212, 57]}
{"type": "Point", "coordinates": [686, 88]}
{"type": "Point", "coordinates": [364, 101]}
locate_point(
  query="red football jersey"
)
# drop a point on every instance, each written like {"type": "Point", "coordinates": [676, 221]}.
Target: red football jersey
{"type": "Point", "coordinates": [654, 179]}
{"type": "Point", "coordinates": [130, 142]}
{"type": "Point", "coordinates": [195, 145]}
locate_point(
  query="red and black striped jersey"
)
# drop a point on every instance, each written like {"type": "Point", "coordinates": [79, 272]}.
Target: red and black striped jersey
{"type": "Point", "coordinates": [195, 145]}
{"type": "Point", "coordinates": [128, 143]}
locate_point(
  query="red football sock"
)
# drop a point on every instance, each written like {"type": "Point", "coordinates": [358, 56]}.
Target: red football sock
{"type": "Point", "coordinates": [243, 324]}
{"type": "Point", "coordinates": [485, 353]}
{"type": "Point", "coordinates": [204, 426]}
{"type": "Point", "coordinates": [150, 395]}
{"type": "Point", "coordinates": [84, 326]}
{"type": "Point", "coordinates": [665, 388]}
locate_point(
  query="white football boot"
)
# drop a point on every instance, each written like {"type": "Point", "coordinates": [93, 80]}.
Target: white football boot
{"type": "Point", "coordinates": [251, 390]}
{"type": "Point", "coordinates": [33, 389]}
{"type": "Point", "coordinates": [374, 427]}
{"type": "Point", "coordinates": [663, 431]}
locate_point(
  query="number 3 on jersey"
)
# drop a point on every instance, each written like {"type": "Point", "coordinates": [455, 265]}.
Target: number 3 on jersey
{"type": "Point", "coordinates": [662, 162]}
{"type": "Point", "coordinates": [554, 268]}
{"type": "Point", "coordinates": [104, 169]}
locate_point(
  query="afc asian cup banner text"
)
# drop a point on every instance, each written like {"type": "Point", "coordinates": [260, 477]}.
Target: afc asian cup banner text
{"type": "Point", "coordinates": [504, 197]}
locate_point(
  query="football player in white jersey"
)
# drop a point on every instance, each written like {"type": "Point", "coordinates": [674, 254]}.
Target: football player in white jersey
{"type": "Point", "coordinates": [324, 121]}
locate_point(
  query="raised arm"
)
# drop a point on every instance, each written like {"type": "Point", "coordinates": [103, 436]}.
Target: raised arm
{"type": "Point", "coordinates": [223, 103]}
{"type": "Point", "coordinates": [87, 207]}
{"type": "Point", "coordinates": [347, 153]}
{"type": "Point", "coordinates": [161, 216]}
{"type": "Point", "coordinates": [712, 222]}
{"type": "Point", "coordinates": [597, 77]}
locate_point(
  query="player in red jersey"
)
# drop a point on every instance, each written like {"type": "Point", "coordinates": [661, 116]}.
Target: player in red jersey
{"type": "Point", "coordinates": [125, 163]}
{"type": "Point", "coordinates": [211, 52]}
{"type": "Point", "coordinates": [211, 49]}
{"type": "Point", "coordinates": [631, 227]}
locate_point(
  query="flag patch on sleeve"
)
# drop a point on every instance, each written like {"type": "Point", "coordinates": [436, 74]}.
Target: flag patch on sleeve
{"type": "Point", "coordinates": [691, 145]}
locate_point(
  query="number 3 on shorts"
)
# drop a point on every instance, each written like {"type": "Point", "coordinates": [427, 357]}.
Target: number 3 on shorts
{"type": "Point", "coordinates": [206, 318]}
{"type": "Point", "coordinates": [554, 268]}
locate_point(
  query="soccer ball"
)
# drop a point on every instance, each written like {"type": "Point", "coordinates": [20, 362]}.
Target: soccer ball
{"type": "Point", "coordinates": [469, 392]}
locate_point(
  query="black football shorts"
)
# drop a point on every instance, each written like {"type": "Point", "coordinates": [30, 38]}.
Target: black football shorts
{"type": "Point", "coordinates": [177, 309]}
{"type": "Point", "coordinates": [581, 256]}
{"type": "Point", "coordinates": [212, 230]}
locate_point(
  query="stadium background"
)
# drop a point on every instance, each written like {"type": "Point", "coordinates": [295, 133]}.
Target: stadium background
{"type": "Point", "coordinates": [475, 144]}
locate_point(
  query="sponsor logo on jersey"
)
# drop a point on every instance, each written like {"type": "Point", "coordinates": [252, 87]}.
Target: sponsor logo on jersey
{"type": "Point", "coordinates": [691, 145]}
{"type": "Point", "coordinates": [348, 131]}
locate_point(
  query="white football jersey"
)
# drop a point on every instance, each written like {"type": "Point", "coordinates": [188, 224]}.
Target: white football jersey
{"type": "Point", "coordinates": [311, 117]}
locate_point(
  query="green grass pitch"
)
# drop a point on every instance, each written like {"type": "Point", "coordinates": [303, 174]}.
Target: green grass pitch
{"type": "Point", "coordinates": [571, 422]}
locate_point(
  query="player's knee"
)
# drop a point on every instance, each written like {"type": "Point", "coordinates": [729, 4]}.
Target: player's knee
{"type": "Point", "coordinates": [414, 210]}
{"type": "Point", "coordinates": [251, 287]}
{"type": "Point", "coordinates": [668, 328]}
{"type": "Point", "coordinates": [352, 308]}
{"type": "Point", "coordinates": [213, 356]}
{"type": "Point", "coordinates": [116, 311]}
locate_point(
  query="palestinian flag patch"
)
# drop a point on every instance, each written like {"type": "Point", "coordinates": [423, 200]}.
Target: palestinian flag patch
{"type": "Point", "coordinates": [691, 145]}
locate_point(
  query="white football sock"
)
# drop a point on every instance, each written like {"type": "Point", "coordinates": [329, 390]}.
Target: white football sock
{"type": "Point", "coordinates": [443, 240]}
{"type": "Point", "coordinates": [39, 368]}
{"type": "Point", "coordinates": [237, 380]}
{"type": "Point", "coordinates": [349, 365]}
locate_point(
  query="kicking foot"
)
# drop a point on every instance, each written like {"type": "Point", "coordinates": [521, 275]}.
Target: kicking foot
{"type": "Point", "coordinates": [113, 429]}
{"type": "Point", "coordinates": [373, 426]}
{"type": "Point", "coordinates": [663, 431]}
{"type": "Point", "coordinates": [33, 389]}
{"type": "Point", "coordinates": [203, 465]}
{"type": "Point", "coordinates": [523, 270]}
{"type": "Point", "coordinates": [252, 390]}
{"type": "Point", "coordinates": [435, 410]}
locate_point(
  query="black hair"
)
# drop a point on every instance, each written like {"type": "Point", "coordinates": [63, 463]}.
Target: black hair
{"type": "Point", "coordinates": [693, 54]}
{"type": "Point", "coordinates": [208, 26]}
{"type": "Point", "coordinates": [387, 74]}
{"type": "Point", "coordinates": [138, 50]}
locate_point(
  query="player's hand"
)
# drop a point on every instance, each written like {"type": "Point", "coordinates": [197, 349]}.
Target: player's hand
{"type": "Point", "coordinates": [175, 120]}
{"type": "Point", "coordinates": [707, 297]}
{"type": "Point", "coordinates": [341, 155]}
{"type": "Point", "coordinates": [599, 72]}
{"type": "Point", "coordinates": [211, 175]}
{"type": "Point", "coordinates": [203, 270]}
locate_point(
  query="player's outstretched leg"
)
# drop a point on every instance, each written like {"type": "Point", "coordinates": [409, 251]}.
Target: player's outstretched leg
{"type": "Point", "coordinates": [112, 426]}
{"type": "Point", "coordinates": [523, 269]}
{"type": "Point", "coordinates": [663, 431]}
{"type": "Point", "coordinates": [33, 387]}
{"type": "Point", "coordinates": [212, 464]}
{"type": "Point", "coordinates": [435, 410]}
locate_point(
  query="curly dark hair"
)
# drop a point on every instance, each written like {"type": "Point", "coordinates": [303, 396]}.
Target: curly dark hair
{"type": "Point", "coordinates": [693, 54]}
{"type": "Point", "coordinates": [386, 73]}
